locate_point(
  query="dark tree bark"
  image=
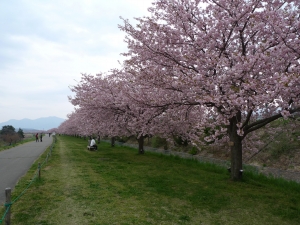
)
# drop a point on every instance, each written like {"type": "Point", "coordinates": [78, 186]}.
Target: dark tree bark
{"type": "Point", "coordinates": [141, 144]}
{"type": "Point", "coordinates": [113, 139]}
{"type": "Point", "coordinates": [236, 140]}
{"type": "Point", "coordinates": [236, 149]}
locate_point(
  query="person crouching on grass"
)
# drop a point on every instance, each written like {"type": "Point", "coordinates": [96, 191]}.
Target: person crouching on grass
{"type": "Point", "coordinates": [93, 144]}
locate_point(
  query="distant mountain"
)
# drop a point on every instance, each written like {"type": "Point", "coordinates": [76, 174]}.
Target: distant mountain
{"type": "Point", "coordinates": [44, 123]}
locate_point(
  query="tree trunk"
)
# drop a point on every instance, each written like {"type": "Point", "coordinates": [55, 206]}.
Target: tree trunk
{"type": "Point", "coordinates": [141, 144]}
{"type": "Point", "coordinates": [113, 141]}
{"type": "Point", "coordinates": [236, 150]}
{"type": "Point", "coordinates": [98, 139]}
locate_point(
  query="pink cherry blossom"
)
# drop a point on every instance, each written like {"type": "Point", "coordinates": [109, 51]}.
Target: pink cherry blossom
{"type": "Point", "coordinates": [237, 60]}
{"type": "Point", "coordinates": [230, 67]}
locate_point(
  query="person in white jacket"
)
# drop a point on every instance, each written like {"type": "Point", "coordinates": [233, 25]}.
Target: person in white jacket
{"type": "Point", "coordinates": [93, 144]}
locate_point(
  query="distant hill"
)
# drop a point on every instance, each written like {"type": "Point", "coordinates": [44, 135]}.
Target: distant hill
{"type": "Point", "coordinates": [44, 123]}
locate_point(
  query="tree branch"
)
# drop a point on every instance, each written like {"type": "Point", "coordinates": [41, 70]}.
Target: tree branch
{"type": "Point", "coordinates": [260, 123]}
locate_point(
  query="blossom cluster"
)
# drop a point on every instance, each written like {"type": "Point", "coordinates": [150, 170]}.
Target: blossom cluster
{"type": "Point", "coordinates": [231, 66]}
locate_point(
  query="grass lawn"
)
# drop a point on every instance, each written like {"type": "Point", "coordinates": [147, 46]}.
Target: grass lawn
{"type": "Point", "coordinates": [23, 141]}
{"type": "Point", "coordinates": [118, 186]}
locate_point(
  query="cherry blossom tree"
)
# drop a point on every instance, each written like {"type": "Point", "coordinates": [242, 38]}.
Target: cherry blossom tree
{"type": "Point", "coordinates": [237, 61]}
{"type": "Point", "coordinates": [90, 117]}
{"type": "Point", "coordinates": [71, 126]}
{"type": "Point", "coordinates": [112, 105]}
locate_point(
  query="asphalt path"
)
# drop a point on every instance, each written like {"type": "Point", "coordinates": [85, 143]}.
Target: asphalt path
{"type": "Point", "coordinates": [15, 162]}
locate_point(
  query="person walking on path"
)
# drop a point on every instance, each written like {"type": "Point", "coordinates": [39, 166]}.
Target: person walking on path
{"type": "Point", "coordinates": [41, 137]}
{"type": "Point", "coordinates": [37, 137]}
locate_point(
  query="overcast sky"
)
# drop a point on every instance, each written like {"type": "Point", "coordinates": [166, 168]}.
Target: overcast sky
{"type": "Point", "coordinates": [45, 45]}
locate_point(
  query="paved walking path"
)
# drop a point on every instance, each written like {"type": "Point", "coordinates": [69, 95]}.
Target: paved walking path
{"type": "Point", "coordinates": [15, 162]}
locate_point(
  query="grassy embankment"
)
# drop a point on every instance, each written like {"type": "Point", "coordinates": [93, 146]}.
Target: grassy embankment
{"type": "Point", "coordinates": [118, 186]}
{"type": "Point", "coordinates": [4, 146]}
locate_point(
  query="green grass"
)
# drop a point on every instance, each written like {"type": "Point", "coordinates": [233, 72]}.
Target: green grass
{"type": "Point", "coordinates": [286, 142]}
{"type": "Point", "coordinates": [118, 186]}
{"type": "Point", "coordinates": [23, 141]}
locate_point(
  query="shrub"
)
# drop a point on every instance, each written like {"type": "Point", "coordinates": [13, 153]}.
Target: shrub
{"type": "Point", "coordinates": [193, 151]}
{"type": "Point", "coordinates": [157, 142]}
{"type": "Point", "coordinates": [179, 141]}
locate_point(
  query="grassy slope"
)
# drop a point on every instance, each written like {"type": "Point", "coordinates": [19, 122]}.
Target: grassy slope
{"type": "Point", "coordinates": [118, 186]}
{"type": "Point", "coordinates": [25, 140]}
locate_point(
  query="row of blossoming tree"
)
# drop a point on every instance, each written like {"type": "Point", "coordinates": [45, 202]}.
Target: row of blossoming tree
{"type": "Point", "coordinates": [228, 65]}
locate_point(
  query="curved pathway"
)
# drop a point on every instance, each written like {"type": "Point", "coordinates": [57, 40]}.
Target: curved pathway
{"type": "Point", "coordinates": [15, 162]}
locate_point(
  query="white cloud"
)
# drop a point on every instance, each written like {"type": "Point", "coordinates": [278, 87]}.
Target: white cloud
{"type": "Point", "coordinates": [46, 45]}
